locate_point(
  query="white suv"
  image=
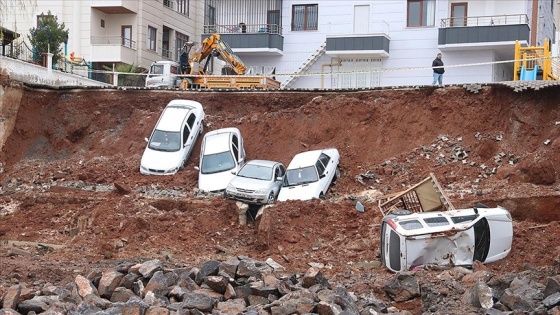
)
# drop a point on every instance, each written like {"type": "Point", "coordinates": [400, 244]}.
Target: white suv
{"type": "Point", "coordinates": [455, 237]}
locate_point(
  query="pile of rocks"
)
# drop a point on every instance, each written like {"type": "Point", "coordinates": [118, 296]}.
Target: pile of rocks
{"type": "Point", "coordinates": [246, 286]}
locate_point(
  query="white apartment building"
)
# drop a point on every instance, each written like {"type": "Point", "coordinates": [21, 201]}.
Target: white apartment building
{"type": "Point", "coordinates": [352, 44]}
{"type": "Point", "coordinates": [109, 32]}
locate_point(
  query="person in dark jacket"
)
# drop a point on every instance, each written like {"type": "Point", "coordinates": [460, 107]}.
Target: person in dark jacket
{"type": "Point", "coordinates": [437, 65]}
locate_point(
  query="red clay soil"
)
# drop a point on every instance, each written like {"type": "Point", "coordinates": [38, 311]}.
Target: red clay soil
{"type": "Point", "coordinates": [66, 141]}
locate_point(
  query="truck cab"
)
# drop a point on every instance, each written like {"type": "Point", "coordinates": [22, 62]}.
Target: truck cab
{"type": "Point", "coordinates": [163, 73]}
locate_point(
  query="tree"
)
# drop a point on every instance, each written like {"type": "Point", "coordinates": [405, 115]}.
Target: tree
{"type": "Point", "coordinates": [48, 36]}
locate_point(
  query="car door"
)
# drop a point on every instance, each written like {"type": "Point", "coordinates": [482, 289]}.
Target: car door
{"type": "Point", "coordinates": [237, 149]}
{"type": "Point", "coordinates": [279, 172]}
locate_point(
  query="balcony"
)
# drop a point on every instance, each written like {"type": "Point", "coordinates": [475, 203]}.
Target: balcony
{"type": "Point", "coordinates": [348, 40]}
{"type": "Point", "coordinates": [249, 38]}
{"type": "Point", "coordinates": [113, 49]}
{"type": "Point", "coordinates": [483, 32]}
{"type": "Point", "coordinates": [115, 6]}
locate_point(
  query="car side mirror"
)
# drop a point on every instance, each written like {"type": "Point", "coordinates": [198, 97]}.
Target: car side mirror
{"type": "Point", "coordinates": [146, 139]}
{"type": "Point", "coordinates": [197, 168]}
{"type": "Point", "coordinates": [322, 176]}
{"type": "Point", "coordinates": [279, 178]}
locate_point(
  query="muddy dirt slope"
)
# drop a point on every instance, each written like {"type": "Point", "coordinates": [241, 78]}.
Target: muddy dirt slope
{"type": "Point", "coordinates": [64, 151]}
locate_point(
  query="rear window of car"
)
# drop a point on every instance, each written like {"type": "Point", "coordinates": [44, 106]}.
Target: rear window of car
{"type": "Point", "coordinates": [394, 251]}
{"type": "Point", "coordinates": [411, 225]}
{"type": "Point", "coordinates": [436, 221]}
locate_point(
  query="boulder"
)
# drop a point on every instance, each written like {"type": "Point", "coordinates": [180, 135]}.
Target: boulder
{"type": "Point", "coordinates": [122, 294]}
{"type": "Point", "coordinates": [85, 287]}
{"type": "Point", "coordinates": [11, 298]}
{"type": "Point", "coordinates": [33, 305]}
{"type": "Point", "coordinates": [216, 283]}
{"type": "Point", "coordinates": [148, 268]}
{"type": "Point", "coordinates": [157, 284]}
{"type": "Point", "coordinates": [235, 306]}
{"type": "Point", "coordinates": [552, 285]}
{"type": "Point", "coordinates": [198, 301]}
{"type": "Point", "coordinates": [402, 287]}
{"type": "Point", "coordinates": [552, 300]}
{"type": "Point", "coordinates": [314, 276]}
{"type": "Point", "coordinates": [109, 281]}
{"type": "Point", "coordinates": [208, 268]}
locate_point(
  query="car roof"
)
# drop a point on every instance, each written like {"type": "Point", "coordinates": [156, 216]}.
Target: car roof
{"type": "Point", "coordinates": [174, 114]}
{"type": "Point", "coordinates": [304, 159]}
{"type": "Point", "coordinates": [217, 141]}
{"type": "Point", "coordinates": [263, 163]}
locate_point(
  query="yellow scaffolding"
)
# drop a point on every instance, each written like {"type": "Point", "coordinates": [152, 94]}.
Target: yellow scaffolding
{"type": "Point", "coordinates": [530, 57]}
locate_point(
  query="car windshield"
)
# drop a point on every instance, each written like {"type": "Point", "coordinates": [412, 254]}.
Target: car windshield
{"type": "Point", "coordinates": [301, 176]}
{"type": "Point", "coordinates": [215, 163]}
{"type": "Point", "coordinates": [165, 141]}
{"type": "Point", "coordinates": [256, 172]}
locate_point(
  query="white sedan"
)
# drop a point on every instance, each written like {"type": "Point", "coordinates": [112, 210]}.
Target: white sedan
{"type": "Point", "coordinates": [310, 174]}
{"type": "Point", "coordinates": [173, 138]}
{"type": "Point", "coordinates": [221, 156]}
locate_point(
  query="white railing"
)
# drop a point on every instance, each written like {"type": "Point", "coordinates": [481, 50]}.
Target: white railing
{"type": "Point", "coordinates": [363, 28]}
{"type": "Point", "coordinates": [489, 20]}
{"type": "Point", "coordinates": [243, 28]}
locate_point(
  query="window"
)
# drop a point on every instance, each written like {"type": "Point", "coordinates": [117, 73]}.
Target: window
{"type": "Point", "coordinates": [191, 121]}
{"type": "Point", "coordinates": [394, 251]}
{"type": "Point", "coordinates": [183, 7]}
{"type": "Point", "coordinates": [420, 12]}
{"type": "Point", "coordinates": [126, 34]}
{"type": "Point", "coordinates": [102, 23]}
{"type": "Point", "coordinates": [273, 21]}
{"type": "Point", "coordinates": [436, 221]}
{"type": "Point", "coordinates": [186, 133]}
{"type": "Point", "coordinates": [168, 3]}
{"type": "Point", "coordinates": [325, 159]}
{"type": "Point", "coordinates": [459, 14]}
{"type": "Point", "coordinates": [305, 17]}
{"type": "Point", "coordinates": [180, 41]}
{"type": "Point", "coordinates": [43, 17]}
{"type": "Point", "coordinates": [320, 167]}
{"type": "Point", "coordinates": [411, 225]}
{"type": "Point", "coordinates": [152, 38]}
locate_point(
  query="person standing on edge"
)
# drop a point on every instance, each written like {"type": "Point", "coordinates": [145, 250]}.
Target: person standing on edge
{"type": "Point", "coordinates": [438, 72]}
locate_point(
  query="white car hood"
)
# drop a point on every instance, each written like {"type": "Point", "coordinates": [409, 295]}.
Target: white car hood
{"type": "Point", "coordinates": [300, 192]}
{"type": "Point", "coordinates": [160, 160]}
{"type": "Point", "coordinates": [214, 182]}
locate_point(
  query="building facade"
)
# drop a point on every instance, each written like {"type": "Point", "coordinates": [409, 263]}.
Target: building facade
{"type": "Point", "coordinates": [109, 32]}
{"type": "Point", "coordinates": [353, 44]}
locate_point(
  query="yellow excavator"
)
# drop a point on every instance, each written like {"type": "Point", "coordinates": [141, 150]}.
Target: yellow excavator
{"type": "Point", "coordinates": [194, 67]}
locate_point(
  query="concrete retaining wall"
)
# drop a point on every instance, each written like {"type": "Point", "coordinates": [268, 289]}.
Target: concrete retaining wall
{"type": "Point", "coordinates": [30, 73]}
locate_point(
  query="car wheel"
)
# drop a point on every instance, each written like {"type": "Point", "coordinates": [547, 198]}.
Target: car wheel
{"type": "Point", "coordinates": [271, 198]}
{"type": "Point", "coordinates": [400, 212]}
{"type": "Point", "coordinates": [322, 196]}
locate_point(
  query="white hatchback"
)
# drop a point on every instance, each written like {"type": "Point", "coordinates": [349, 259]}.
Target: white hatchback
{"type": "Point", "coordinates": [453, 238]}
{"type": "Point", "coordinates": [310, 174]}
{"type": "Point", "coordinates": [173, 138]}
{"type": "Point", "coordinates": [221, 156]}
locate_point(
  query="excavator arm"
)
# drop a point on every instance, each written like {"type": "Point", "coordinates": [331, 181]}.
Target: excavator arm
{"type": "Point", "coordinates": [213, 44]}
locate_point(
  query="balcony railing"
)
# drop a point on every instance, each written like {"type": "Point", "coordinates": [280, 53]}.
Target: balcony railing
{"type": "Point", "coordinates": [489, 20]}
{"type": "Point", "coordinates": [243, 28]}
{"type": "Point", "coordinates": [166, 53]}
{"type": "Point", "coordinates": [113, 40]}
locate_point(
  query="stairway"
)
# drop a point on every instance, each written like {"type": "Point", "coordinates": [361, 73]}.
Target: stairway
{"type": "Point", "coordinates": [444, 200]}
{"type": "Point", "coordinates": [305, 65]}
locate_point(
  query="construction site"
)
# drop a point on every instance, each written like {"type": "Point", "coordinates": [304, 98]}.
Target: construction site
{"type": "Point", "coordinates": [73, 200]}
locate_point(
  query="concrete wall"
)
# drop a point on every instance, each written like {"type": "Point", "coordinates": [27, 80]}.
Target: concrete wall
{"type": "Point", "coordinates": [30, 73]}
